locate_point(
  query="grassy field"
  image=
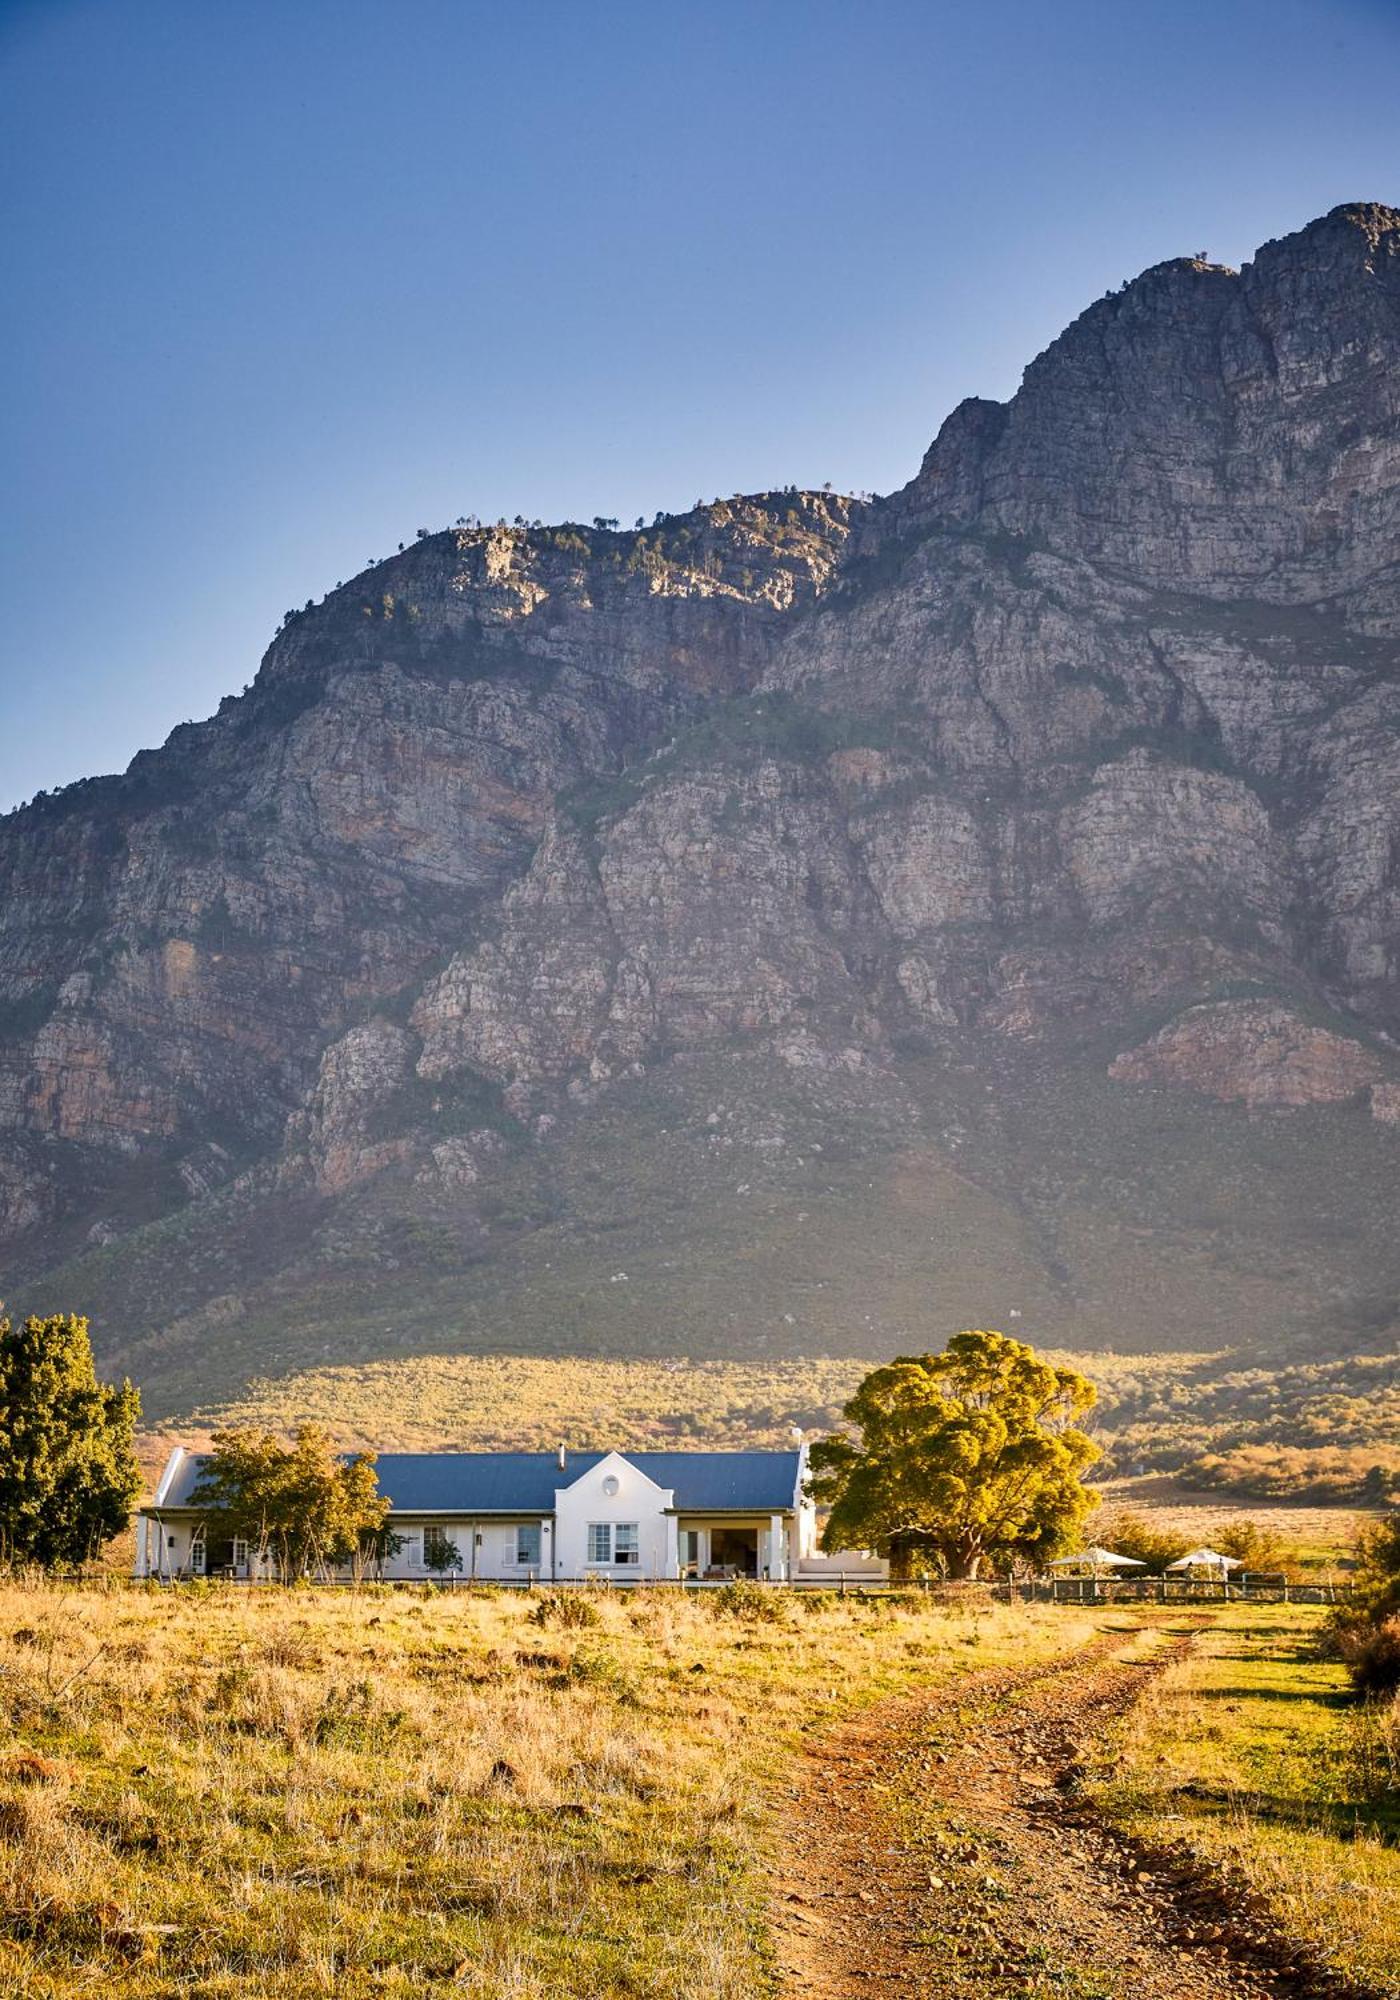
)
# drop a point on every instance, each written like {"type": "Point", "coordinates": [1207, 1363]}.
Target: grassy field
{"type": "Point", "coordinates": [1317, 1542]}
{"type": "Point", "coordinates": [1253, 1753]}
{"type": "Point", "coordinates": [224, 1794]}
{"type": "Point", "coordinates": [217, 1794]}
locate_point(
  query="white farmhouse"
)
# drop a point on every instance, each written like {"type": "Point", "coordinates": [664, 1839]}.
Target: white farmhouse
{"type": "Point", "coordinates": [519, 1517]}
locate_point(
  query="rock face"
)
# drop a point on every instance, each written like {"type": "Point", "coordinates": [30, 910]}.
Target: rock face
{"type": "Point", "coordinates": [1255, 1053]}
{"type": "Point", "coordinates": [925, 803]}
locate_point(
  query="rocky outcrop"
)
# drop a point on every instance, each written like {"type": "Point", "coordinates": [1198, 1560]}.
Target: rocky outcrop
{"type": "Point", "coordinates": [907, 802]}
{"type": "Point", "coordinates": [1252, 1052]}
{"type": "Point", "coordinates": [340, 1138]}
{"type": "Point", "coordinates": [1224, 433]}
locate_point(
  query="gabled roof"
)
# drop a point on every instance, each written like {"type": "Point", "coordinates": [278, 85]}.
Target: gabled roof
{"type": "Point", "coordinates": [525, 1482]}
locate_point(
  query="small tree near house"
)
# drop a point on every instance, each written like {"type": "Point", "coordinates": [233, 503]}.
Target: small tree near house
{"type": "Point", "coordinates": [304, 1508]}
{"type": "Point", "coordinates": [441, 1554]}
{"type": "Point", "coordinates": [68, 1472]}
{"type": "Point", "coordinates": [973, 1456]}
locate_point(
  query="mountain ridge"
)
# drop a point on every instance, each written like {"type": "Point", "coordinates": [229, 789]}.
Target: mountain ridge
{"type": "Point", "coordinates": [1022, 842]}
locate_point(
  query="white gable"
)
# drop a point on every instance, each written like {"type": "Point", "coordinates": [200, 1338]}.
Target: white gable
{"type": "Point", "coordinates": [613, 1521]}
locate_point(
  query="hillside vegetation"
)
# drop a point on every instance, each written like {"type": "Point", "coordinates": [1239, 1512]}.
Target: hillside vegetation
{"type": "Point", "coordinates": [1315, 1433]}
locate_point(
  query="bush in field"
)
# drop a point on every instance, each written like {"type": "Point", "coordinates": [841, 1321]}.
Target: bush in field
{"type": "Point", "coordinates": [749, 1601]}
{"type": "Point", "coordinates": [1366, 1632]}
{"type": "Point", "coordinates": [1258, 1548]}
{"type": "Point", "coordinates": [565, 1609]}
{"type": "Point", "coordinates": [1372, 1654]}
{"type": "Point", "coordinates": [68, 1472]}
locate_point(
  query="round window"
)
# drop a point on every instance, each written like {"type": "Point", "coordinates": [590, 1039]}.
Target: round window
{"type": "Point", "coordinates": [612, 1485]}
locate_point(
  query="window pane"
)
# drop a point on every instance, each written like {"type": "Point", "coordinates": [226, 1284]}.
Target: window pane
{"type": "Point", "coordinates": [600, 1541]}
{"type": "Point", "coordinates": [626, 1542]}
{"type": "Point", "coordinates": [527, 1543]}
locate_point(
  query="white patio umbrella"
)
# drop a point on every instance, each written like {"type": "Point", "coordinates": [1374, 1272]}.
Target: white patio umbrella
{"type": "Point", "coordinates": [1206, 1559]}
{"type": "Point", "coordinates": [1098, 1559]}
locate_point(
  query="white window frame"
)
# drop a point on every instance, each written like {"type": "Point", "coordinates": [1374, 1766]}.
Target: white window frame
{"type": "Point", "coordinates": [241, 1553]}
{"type": "Point", "coordinates": [412, 1550]}
{"type": "Point", "coordinates": [534, 1529]}
{"type": "Point", "coordinates": [199, 1553]}
{"type": "Point", "coordinates": [600, 1541]}
{"type": "Point", "coordinates": [627, 1554]}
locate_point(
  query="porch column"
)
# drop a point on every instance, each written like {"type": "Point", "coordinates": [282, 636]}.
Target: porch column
{"type": "Point", "coordinates": [671, 1562]}
{"type": "Point", "coordinates": [777, 1566]}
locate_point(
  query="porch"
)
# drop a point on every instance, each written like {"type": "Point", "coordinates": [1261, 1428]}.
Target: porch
{"type": "Point", "coordinates": [729, 1548]}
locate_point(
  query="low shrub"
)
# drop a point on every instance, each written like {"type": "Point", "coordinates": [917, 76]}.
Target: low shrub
{"type": "Point", "coordinates": [751, 1602]}
{"type": "Point", "coordinates": [565, 1609]}
{"type": "Point", "coordinates": [1372, 1654]}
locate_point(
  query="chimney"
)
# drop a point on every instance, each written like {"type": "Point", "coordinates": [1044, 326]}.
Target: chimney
{"type": "Point", "coordinates": [563, 1458]}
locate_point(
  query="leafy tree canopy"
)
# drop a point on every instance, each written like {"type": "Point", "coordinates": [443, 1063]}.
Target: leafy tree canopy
{"type": "Point", "coordinates": [973, 1454]}
{"type": "Point", "coordinates": [302, 1506]}
{"type": "Point", "coordinates": [68, 1472]}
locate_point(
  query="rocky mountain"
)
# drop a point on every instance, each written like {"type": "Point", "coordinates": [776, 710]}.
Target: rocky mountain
{"type": "Point", "coordinates": [800, 925]}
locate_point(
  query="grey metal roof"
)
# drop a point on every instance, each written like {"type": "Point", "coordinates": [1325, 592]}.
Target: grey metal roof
{"type": "Point", "coordinates": [525, 1482]}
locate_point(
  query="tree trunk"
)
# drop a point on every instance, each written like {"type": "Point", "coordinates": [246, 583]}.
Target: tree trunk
{"type": "Point", "coordinates": [964, 1559]}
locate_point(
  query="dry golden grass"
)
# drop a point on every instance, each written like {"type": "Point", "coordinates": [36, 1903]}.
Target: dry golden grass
{"type": "Point", "coordinates": [509, 1402]}
{"type": "Point", "coordinates": [222, 1793]}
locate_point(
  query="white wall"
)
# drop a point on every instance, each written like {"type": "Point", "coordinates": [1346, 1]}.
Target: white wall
{"type": "Point", "coordinates": [637, 1499]}
{"type": "Point", "coordinates": [495, 1552]}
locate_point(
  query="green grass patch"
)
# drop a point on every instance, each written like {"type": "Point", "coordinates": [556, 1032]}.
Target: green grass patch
{"type": "Point", "coordinates": [1248, 1752]}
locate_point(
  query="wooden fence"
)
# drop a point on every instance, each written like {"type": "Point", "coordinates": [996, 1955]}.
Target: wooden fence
{"type": "Point", "coordinates": [1260, 1589]}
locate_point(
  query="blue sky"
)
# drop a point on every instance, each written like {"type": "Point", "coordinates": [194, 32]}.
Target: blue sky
{"type": "Point", "coordinates": [288, 281]}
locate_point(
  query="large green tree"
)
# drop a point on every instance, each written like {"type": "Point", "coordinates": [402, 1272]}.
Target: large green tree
{"type": "Point", "coordinates": [68, 1472]}
{"type": "Point", "coordinates": [302, 1506]}
{"type": "Point", "coordinates": [972, 1455]}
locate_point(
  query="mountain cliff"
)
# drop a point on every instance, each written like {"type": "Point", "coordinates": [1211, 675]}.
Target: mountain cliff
{"type": "Point", "coordinates": [801, 925]}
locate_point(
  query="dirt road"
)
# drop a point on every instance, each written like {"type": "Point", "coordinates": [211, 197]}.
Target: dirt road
{"type": "Point", "coordinates": [937, 1846]}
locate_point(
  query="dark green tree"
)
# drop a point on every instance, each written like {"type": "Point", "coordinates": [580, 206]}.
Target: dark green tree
{"type": "Point", "coordinates": [969, 1456]}
{"type": "Point", "coordinates": [68, 1472]}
